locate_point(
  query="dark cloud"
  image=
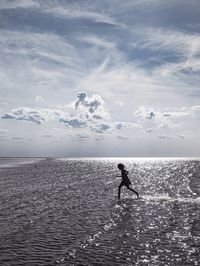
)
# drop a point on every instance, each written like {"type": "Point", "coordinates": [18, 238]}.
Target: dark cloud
{"type": "Point", "coordinates": [150, 115]}
{"type": "Point", "coordinates": [119, 125]}
{"type": "Point", "coordinates": [97, 117]}
{"type": "Point", "coordinates": [122, 138]}
{"type": "Point", "coordinates": [181, 136]}
{"type": "Point", "coordinates": [101, 128]}
{"type": "Point", "coordinates": [166, 115]}
{"type": "Point", "coordinates": [164, 137]}
{"type": "Point", "coordinates": [81, 98]}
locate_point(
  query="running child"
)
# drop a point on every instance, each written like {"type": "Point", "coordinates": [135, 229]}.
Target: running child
{"type": "Point", "coordinates": [125, 180]}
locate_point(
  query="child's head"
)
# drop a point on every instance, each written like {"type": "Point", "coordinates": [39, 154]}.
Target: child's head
{"type": "Point", "coordinates": [120, 166]}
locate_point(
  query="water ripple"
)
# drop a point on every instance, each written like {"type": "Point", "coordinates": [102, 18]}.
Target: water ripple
{"type": "Point", "coordinates": [66, 212]}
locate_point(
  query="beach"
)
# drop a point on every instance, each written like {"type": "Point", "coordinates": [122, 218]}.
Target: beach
{"type": "Point", "coordinates": [58, 211]}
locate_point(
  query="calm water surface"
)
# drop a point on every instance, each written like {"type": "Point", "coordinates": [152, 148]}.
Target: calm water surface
{"type": "Point", "coordinates": [66, 212]}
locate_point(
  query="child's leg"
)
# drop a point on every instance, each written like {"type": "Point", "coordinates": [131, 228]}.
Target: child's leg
{"type": "Point", "coordinates": [119, 191]}
{"type": "Point", "coordinates": [133, 191]}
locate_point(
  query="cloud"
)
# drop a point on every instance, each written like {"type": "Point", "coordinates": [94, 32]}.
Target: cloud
{"type": "Point", "coordinates": [87, 113]}
{"type": "Point", "coordinates": [37, 116]}
{"type": "Point", "coordinates": [142, 54]}
{"type": "Point", "coordinates": [163, 137]}
{"type": "Point", "coordinates": [179, 60]}
{"type": "Point", "coordinates": [39, 100]}
{"type": "Point", "coordinates": [166, 115]}
{"type": "Point", "coordinates": [91, 107]}
{"type": "Point", "coordinates": [81, 98]}
{"type": "Point", "coordinates": [100, 128]}
{"type": "Point", "coordinates": [121, 125]}
{"type": "Point", "coordinates": [181, 136]}
{"type": "Point", "coordinates": [7, 116]}
{"type": "Point", "coordinates": [97, 117]}
{"type": "Point", "coordinates": [94, 40]}
{"type": "Point", "coordinates": [74, 123]}
{"type": "Point", "coordinates": [161, 116]}
{"type": "Point", "coordinates": [44, 57]}
{"type": "Point", "coordinates": [90, 114]}
{"type": "Point", "coordinates": [78, 12]}
{"type": "Point", "coordinates": [145, 113]}
{"type": "Point", "coordinates": [122, 138]}
{"type": "Point", "coordinates": [4, 4]}
{"type": "Point", "coordinates": [170, 122]}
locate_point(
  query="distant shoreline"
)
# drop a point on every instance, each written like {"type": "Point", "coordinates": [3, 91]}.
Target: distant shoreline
{"type": "Point", "coordinates": [101, 157]}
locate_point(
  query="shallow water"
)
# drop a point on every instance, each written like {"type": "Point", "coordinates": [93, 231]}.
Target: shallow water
{"type": "Point", "coordinates": [66, 212]}
{"type": "Point", "coordinates": [6, 162]}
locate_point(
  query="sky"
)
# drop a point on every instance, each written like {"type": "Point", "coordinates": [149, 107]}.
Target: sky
{"type": "Point", "coordinates": [100, 78]}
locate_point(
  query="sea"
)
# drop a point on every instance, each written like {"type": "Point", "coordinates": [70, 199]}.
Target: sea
{"type": "Point", "coordinates": [62, 211]}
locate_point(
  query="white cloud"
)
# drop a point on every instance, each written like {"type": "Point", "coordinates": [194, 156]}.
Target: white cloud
{"type": "Point", "coordinates": [78, 12]}
{"type": "Point", "coordinates": [96, 41]}
{"type": "Point", "coordinates": [45, 58]}
{"type": "Point", "coordinates": [37, 116]}
{"type": "Point", "coordinates": [89, 112]}
{"type": "Point", "coordinates": [4, 4]}
{"type": "Point", "coordinates": [170, 122]}
{"type": "Point", "coordinates": [91, 107]}
{"type": "Point", "coordinates": [74, 123]}
{"type": "Point", "coordinates": [183, 44]}
{"type": "Point", "coordinates": [169, 39]}
{"type": "Point", "coordinates": [145, 113]}
{"type": "Point", "coordinates": [39, 100]}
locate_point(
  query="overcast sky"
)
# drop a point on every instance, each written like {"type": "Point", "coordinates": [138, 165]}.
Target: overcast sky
{"type": "Point", "coordinates": [100, 78]}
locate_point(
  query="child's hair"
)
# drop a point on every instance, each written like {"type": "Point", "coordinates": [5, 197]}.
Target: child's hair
{"type": "Point", "coordinates": [120, 166]}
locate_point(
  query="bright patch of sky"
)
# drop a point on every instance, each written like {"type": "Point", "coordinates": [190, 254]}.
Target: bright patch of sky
{"type": "Point", "coordinates": [99, 78]}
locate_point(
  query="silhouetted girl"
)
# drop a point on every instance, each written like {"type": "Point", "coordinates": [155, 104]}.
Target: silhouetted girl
{"type": "Point", "coordinates": [125, 180]}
